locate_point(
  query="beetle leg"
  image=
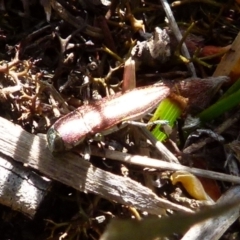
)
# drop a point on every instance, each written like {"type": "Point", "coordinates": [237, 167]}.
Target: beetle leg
{"type": "Point", "coordinates": [149, 124]}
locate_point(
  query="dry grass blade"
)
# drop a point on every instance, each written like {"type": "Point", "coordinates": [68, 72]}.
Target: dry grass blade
{"type": "Point", "coordinates": [162, 165]}
{"type": "Point", "coordinates": [151, 228]}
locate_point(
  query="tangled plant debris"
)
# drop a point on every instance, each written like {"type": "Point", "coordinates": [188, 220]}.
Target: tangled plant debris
{"type": "Point", "coordinates": [59, 55]}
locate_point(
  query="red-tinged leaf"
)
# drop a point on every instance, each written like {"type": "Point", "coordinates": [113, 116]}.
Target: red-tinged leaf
{"type": "Point", "coordinates": [213, 50]}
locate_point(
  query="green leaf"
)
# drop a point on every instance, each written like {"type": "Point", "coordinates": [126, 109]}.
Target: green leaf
{"type": "Point", "coordinates": [220, 107]}
{"type": "Point", "coordinates": [229, 100]}
{"type": "Point", "coordinates": [167, 110]}
{"type": "Point", "coordinates": [235, 87]}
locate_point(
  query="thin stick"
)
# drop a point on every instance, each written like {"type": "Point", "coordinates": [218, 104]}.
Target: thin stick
{"type": "Point", "coordinates": [166, 154]}
{"type": "Point", "coordinates": [178, 35]}
{"type": "Point", "coordinates": [162, 165]}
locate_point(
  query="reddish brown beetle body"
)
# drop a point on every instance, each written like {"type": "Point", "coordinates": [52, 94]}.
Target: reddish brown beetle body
{"type": "Point", "coordinates": [87, 120]}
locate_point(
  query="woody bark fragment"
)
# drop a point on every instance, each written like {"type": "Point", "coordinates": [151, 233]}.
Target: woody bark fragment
{"type": "Point", "coordinates": [20, 188]}
{"type": "Point", "coordinates": [73, 171]}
